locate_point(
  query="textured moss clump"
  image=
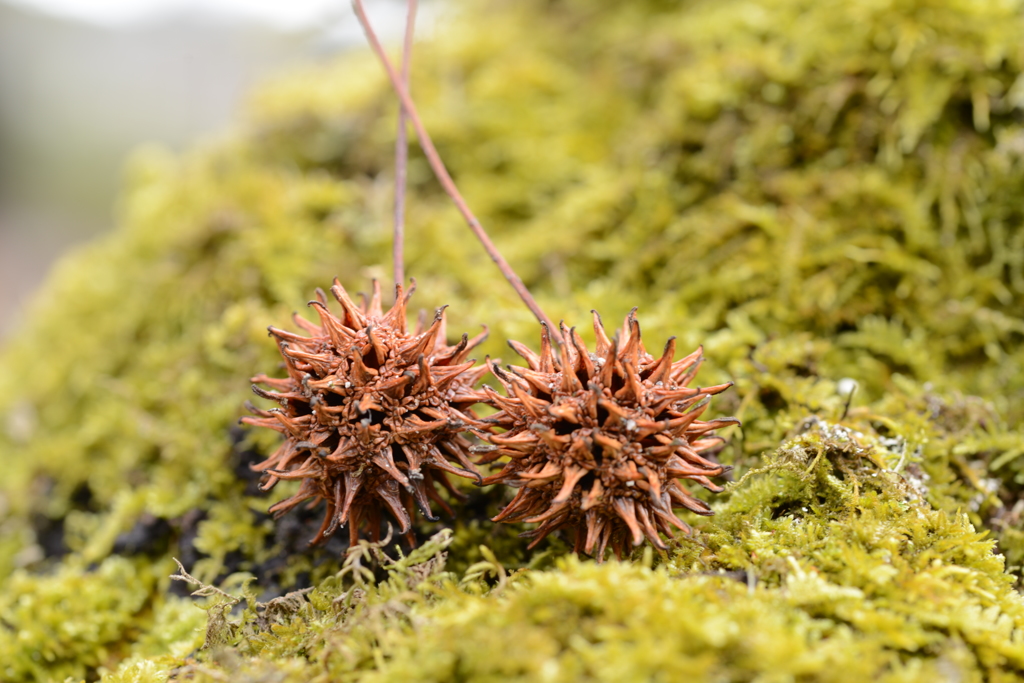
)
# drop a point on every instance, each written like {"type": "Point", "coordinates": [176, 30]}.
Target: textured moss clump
{"type": "Point", "coordinates": [823, 566]}
{"type": "Point", "coordinates": [817, 192]}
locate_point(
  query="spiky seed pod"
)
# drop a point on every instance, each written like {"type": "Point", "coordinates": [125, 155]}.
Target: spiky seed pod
{"type": "Point", "coordinates": [371, 414]}
{"type": "Point", "coordinates": [598, 442]}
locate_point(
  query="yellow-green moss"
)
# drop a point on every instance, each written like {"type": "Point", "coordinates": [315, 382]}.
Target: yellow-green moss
{"type": "Point", "coordinates": [824, 566]}
{"type": "Point", "coordinates": [816, 191]}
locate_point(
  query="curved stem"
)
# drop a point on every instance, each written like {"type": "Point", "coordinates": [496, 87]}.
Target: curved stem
{"type": "Point", "coordinates": [402, 151]}
{"type": "Point", "coordinates": [445, 178]}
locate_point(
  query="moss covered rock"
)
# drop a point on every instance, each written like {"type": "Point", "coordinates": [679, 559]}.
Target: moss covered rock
{"type": "Point", "coordinates": [823, 194]}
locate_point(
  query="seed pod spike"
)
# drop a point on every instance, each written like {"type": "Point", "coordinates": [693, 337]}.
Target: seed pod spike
{"type": "Point", "coordinates": [423, 380]}
{"type": "Point", "coordinates": [547, 359]}
{"type": "Point", "coordinates": [626, 510]}
{"type": "Point", "coordinates": [396, 315]}
{"type": "Point", "coordinates": [662, 370]}
{"type": "Point", "coordinates": [304, 324]}
{"type": "Point", "coordinates": [631, 346]}
{"type": "Point", "coordinates": [650, 532]}
{"type": "Point", "coordinates": [571, 476]}
{"type": "Point", "coordinates": [424, 344]}
{"type": "Point", "coordinates": [373, 309]}
{"type": "Point", "coordinates": [354, 317]}
{"type": "Point", "coordinates": [388, 492]}
{"type": "Point", "coordinates": [583, 362]}
{"type": "Point", "coordinates": [325, 526]}
{"type": "Point", "coordinates": [603, 343]}
{"type": "Point", "coordinates": [570, 382]}
{"type": "Point", "coordinates": [337, 333]}
{"type": "Point", "coordinates": [379, 352]}
{"type": "Point", "coordinates": [532, 359]}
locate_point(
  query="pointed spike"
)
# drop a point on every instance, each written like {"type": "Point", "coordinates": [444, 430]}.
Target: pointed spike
{"type": "Point", "coordinates": [328, 522]}
{"type": "Point", "coordinates": [662, 370]}
{"type": "Point", "coordinates": [669, 520]}
{"type": "Point", "coordinates": [540, 382]}
{"type": "Point", "coordinates": [570, 382]}
{"type": "Point", "coordinates": [285, 335]}
{"type": "Point", "coordinates": [438, 461]}
{"type": "Point", "coordinates": [583, 362]}
{"type": "Point", "coordinates": [569, 348]}
{"type": "Point", "coordinates": [593, 497]}
{"type": "Point", "coordinates": [602, 542]}
{"type": "Point", "coordinates": [304, 324]}
{"type": "Point", "coordinates": [335, 331]}
{"type": "Point", "coordinates": [594, 525]}
{"type": "Point", "coordinates": [389, 492]}
{"type": "Point", "coordinates": [360, 374]}
{"type": "Point", "coordinates": [432, 493]}
{"type": "Point", "coordinates": [354, 318]}
{"type": "Point", "coordinates": [451, 353]}
{"type": "Point", "coordinates": [461, 454]}
{"type": "Point", "coordinates": [626, 510]}
{"type": "Point", "coordinates": [419, 495]}
{"type": "Point", "coordinates": [378, 348]}
{"type": "Point", "coordinates": [374, 309]}
{"type": "Point", "coordinates": [633, 390]}
{"type": "Point", "coordinates": [571, 478]}
{"type": "Point", "coordinates": [336, 503]}
{"type": "Point", "coordinates": [553, 510]}
{"type": "Point", "coordinates": [536, 407]}
{"type": "Point", "coordinates": [547, 359]}
{"type": "Point", "coordinates": [541, 473]}
{"type": "Point", "coordinates": [649, 530]}
{"type": "Point", "coordinates": [305, 492]}
{"type": "Point", "coordinates": [532, 359]}
{"type": "Point", "coordinates": [385, 460]}
{"type": "Point", "coordinates": [655, 482]}
{"type": "Point", "coordinates": [682, 498]}
{"type": "Point", "coordinates": [685, 369]}
{"type": "Point", "coordinates": [395, 318]}
{"type": "Point", "coordinates": [442, 330]}
{"type": "Point", "coordinates": [702, 428]}
{"type": "Point", "coordinates": [354, 521]}
{"type": "Point", "coordinates": [423, 380]}
{"type": "Point", "coordinates": [473, 343]}
{"type": "Point", "coordinates": [603, 343]}
{"type": "Point", "coordinates": [424, 343]}
{"type": "Point", "coordinates": [510, 510]}
{"type": "Point", "coordinates": [632, 346]}
{"type": "Point", "coordinates": [611, 366]}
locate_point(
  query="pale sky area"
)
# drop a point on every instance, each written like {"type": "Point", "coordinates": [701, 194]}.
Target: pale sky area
{"type": "Point", "coordinates": [286, 14]}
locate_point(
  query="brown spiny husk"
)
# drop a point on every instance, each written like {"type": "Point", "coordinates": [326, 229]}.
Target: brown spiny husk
{"type": "Point", "coordinates": [597, 442]}
{"type": "Point", "coordinates": [371, 414]}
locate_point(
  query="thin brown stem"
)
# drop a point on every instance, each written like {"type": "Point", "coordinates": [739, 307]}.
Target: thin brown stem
{"type": "Point", "coordinates": [402, 151]}
{"type": "Point", "coordinates": [445, 179]}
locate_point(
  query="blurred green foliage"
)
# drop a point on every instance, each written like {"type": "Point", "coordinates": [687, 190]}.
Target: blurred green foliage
{"type": "Point", "coordinates": [817, 192]}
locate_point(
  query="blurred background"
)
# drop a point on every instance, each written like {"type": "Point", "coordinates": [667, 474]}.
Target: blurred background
{"type": "Point", "coordinates": [82, 82]}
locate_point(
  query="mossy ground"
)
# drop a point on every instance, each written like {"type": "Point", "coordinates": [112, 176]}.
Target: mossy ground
{"type": "Point", "coordinates": [814, 191]}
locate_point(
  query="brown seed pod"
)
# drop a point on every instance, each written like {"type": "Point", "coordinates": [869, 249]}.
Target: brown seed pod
{"type": "Point", "coordinates": [598, 442]}
{"type": "Point", "coordinates": [371, 414]}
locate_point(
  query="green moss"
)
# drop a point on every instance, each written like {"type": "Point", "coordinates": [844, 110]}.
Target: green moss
{"type": "Point", "coordinates": [73, 621]}
{"type": "Point", "coordinates": [817, 192]}
{"type": "Point", "coordinates": [823, 566]}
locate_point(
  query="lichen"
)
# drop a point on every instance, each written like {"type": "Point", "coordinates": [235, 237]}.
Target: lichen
{"type": "Point", "coordinates": [824, 195]}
